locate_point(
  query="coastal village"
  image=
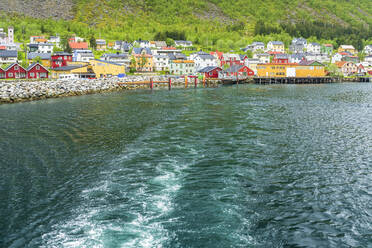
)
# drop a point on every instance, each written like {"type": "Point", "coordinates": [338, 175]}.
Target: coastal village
{"type": "Point", "coordinates": [44, 58]}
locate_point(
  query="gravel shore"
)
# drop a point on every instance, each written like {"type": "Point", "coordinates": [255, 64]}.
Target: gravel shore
{"type": "Point", "coordinates": [18, 91]}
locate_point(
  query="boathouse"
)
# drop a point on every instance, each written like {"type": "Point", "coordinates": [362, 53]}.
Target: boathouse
{"type": "Point", "coordinates": [36, 71]}
{"type": "Point", "coordinates": [15, 71]}
{"type": "Point", "coordinates": [210, 71]}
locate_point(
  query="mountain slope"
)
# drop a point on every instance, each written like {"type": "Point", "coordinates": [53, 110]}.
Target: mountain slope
{"type": "Point", "coordinates": [203, 21]}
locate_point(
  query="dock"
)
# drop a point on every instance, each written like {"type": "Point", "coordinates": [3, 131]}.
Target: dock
{"type": "Point", "coordinates": [295, 80]}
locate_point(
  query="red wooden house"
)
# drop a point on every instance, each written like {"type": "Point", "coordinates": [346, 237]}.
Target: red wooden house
{"type": "Point", "coordinates": [36, 70]}
{"type": "Point", "coordinates": [230, 59]}
{"type": "Point", "coordinates": [281, 59]}
{"type": "Point", "coordinates": [238, 70]}
{"type": "Point", "coordinates": [210, 71]}
{"type": "Point", "coordinates": [2, 73]}
{"type": "Point", "coordinates": [60, 59]}
{"type": "Point", "coordinates": [15, 71]}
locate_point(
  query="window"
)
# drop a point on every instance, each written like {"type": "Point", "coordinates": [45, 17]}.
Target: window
{"type": "Point", "coordinates": [32, 74]}
{"type": "Point", "coordinates": [10, 74]}
{"type": "Point", "coordinates": [37, 67]}
{"type": "Point", "coordinates": [16, 67]}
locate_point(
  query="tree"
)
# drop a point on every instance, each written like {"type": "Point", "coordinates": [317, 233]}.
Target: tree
{"type": "Point", "coordinates": [37, 59]}
{"type": "Point", "coordinates": [68, 49]}
{"type": "Point", "coordinates": [92, 42]}
{"type": "Point", "coordinates": [249, 54]}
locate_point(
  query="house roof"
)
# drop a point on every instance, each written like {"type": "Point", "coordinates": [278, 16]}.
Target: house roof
{"type": "Point", "coordinates": [8, 54]}
{"type": "Point", "coordinates": [177, 56]}
{"type": "Point", "coordinates": [62, 54]}
{"type": "Point", "coordinates": [34, 64]}
{"type": "Point", "coordinates": [281, 56]}
{"type": "Point", "coordinates": [328, 45]}
{"type": "Point", "coordinates": [185, 42]}
{"type": "Point", "coordinates": [310, 62]}
{"type": "Point", "coordinates": [115, 55]}
{"type": "Point", "coordinates": [43, 56]}
{"type": "Point", "coordinates": [68, 68]}
{"type": "Point", "coordinates": [276, 42]}
{"type": "Point", "coordinates": [11, 65]}
{"type": "Point", "coordinates": [234, 68]}
{"type": "Point", "coordinates": [78, 45]}
{"type": "Point", "coordinates": [183, 61]}
{"type": "Point", "coordinates": [347, 47]}
{"type": "Point", "coordinates": [208, 69]}
{"type": "Point", "coordinates": [108, 62]}
{"type": "Point", "coordinates": [341, 63]}
{"type": "Point", "coordinates": [138, 50]}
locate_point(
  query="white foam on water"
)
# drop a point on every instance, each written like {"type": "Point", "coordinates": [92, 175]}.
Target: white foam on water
{"type": "Point", "coordinates": [147, 207]}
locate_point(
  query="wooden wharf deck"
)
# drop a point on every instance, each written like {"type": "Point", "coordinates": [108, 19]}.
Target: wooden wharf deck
{"type": "Point", "coordinates": [295, 80]}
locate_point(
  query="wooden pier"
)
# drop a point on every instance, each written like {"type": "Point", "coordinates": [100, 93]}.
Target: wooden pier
{"type": "Point", "coordinates": [295, 80]}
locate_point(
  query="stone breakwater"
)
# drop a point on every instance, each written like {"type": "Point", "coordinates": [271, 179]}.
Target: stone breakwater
{"type": "Point", "coordinates": [18, 91]}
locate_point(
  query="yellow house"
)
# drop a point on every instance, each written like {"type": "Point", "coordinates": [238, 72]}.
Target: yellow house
{"type": "Point", "coordinates": [105, 68]}
{"type": "Point", "coordinates": [43, 58]}
{"type": "Point", "coordinates": [72, 72]}
{"type": "Point", "coordinates": [304, 69]}
{"type": "Point", "coordinates": [143, 62]}
{"type": "Point", "coordinates": [347, 48]}
{"type": "Point", "coordinates": [276, 46]}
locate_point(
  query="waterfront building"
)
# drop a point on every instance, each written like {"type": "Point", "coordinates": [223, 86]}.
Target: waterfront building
{"type": "Point", "coordinates": [182, 67]}
{"type": "Point", "coordinates": [275, 46]}
{"type": "Point", "coordinates": [8, 56]}
{"type": "Point", "coordinates": [36, 71]}
{"type": "Point", "coordinates": [303, 69]}
{"type": "Point", "coordinates": [15, 71]}
{"type": "Point", "coordinates": [2, 73]}
{"type": "Point", "coordinates": [210, 71]}
{"type": "Point", "coordinates": [72, 72]}
{"type": "Point", "coordinates": [103, 68]}
{"type": "Point", "coordinates": [236, 71]}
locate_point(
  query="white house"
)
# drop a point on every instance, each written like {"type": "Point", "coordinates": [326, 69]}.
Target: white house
{"type": "Point", "coordinates": [183, 43]}
{"type": "Point", "coordinates": [8, 56]}
{"type": "Point", "coordinates": [275, 46]}
{"type": "Point", "coordinates": [368, 49]}
{"type": "Point", "coordinates": [55, 40]}
{"type": "Point", "coordinates": [203, 59]}
{"type": "Point", "coordinates": [142, 43]}
{"type": "Point", "coordinates": [82, 56]}
{"type": "Point", "coordinates": [45, 48]}
{"type": "Point", "coordinates": [263, 57]}
{"type": "Point", "coordinates": [336, 58]}
{"type": "Point", "coordinates": [313, 48]}
{"type": "Point", "coordinates": [161, 63]}
{"type": "Point", "coordinates": [7, 38]}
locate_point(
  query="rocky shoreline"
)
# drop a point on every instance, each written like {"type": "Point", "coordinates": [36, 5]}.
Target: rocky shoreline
{"type": "Point", "coordinates": [19, 91]}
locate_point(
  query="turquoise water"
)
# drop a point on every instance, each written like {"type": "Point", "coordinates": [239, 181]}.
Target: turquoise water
{"type": "Point", "coordinates": [246, 166]}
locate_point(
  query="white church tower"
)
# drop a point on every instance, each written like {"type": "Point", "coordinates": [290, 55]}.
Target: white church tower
{"type": "Point", "coordinates": [10, 35]}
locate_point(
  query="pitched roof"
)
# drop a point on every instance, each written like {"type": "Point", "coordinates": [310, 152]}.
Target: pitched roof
{"type": "Point", "coordinates": [115, 55]}
{"type": "Point", "coordinates": [310, 62]}
{"type": "Point", "coordinates": [107, 62]}
{"type": "Point", "coordinates": [8, 54]}
{"type": "Point", "coordinates": [11, 65]}
{"type": "Point", "coordinates": [34, 64]}
{"type": "Point", "coordinates": [276, 42]}
{"type": "Point", "coordinates": [43, 56]}
{"type": "Point", "coordinates": [138, 50]}
{"type": "Point", "coordinates": [68, 68]}
{"type": "Point", "coordinates": [234, 68]}
{"type": "Point", "coordinates": [340, 63]}
{"type": "Point", "coordinates": [208, 69]}
{"type": "Point", "coordinates": [78, 45]}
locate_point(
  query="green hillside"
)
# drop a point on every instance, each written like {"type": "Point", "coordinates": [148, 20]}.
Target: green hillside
{"type": "Point", "coordinates": [222, 24]}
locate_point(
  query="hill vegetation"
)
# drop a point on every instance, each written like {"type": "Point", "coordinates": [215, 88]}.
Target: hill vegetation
{"type": "Point", "coordinates": [210, 24]}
